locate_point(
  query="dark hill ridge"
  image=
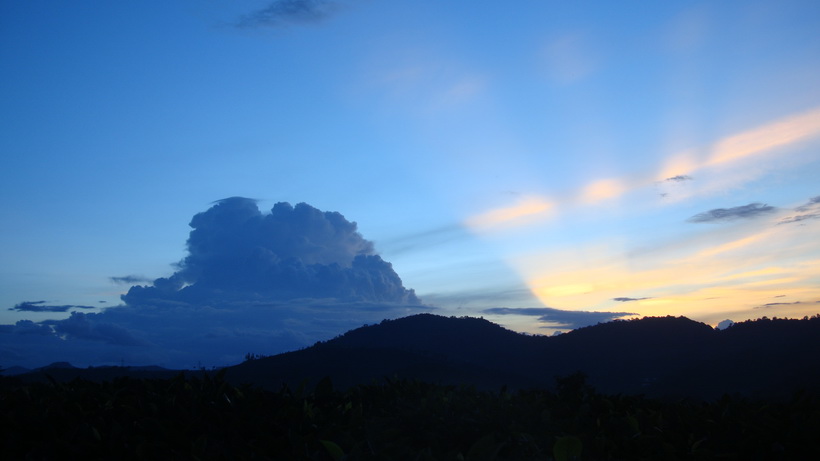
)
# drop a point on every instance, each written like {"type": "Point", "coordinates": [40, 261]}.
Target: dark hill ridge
{"type": "Point", "coordinates": [423, 346]}
{"type": "Point", "coordinates": [656, 356]}
{"type": "Point", "coordinates": [468, 339]}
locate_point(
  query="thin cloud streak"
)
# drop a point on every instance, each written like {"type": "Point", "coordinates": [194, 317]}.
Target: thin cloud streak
{"type": "Point", "coordinates": [422, 240]}
{"type": "Point", "coordinates": [41, 306]}
{"type": "Point", "coordinates": [810, 210]}
{"type": "Point", "coordinates": [558, 318]}
{"type": "Point", "coordinates": [129, 279]}
{"type": "Point", "coordinates": [751, 210]}
{"type": "Point", "coordinates": [786, 131]}
{"type": "Point", "coordinates": [525, 211]}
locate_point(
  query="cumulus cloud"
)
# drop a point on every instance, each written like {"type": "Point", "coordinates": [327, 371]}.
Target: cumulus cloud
{"type": "Point", "coordinates": [251, 282]}
{"type": "Point", "coordinates": [561, 318]}
{"type": "Point", "coordinates": [27, 327]}
{"type": "Point", "coordinates": [679, 178]}
{"type": "Point", "coordinates": [281, 13]}
{"type": "Point", "coordinates": [751, 210]}
{"type": "Point", "coordinates": [236, 252]}
{"type": "Point", "coordinates": [724, 324]}
{"type": "Point", "coordinates": [41, 306]}
{"type": "Point", "coordinates": [810, 210]}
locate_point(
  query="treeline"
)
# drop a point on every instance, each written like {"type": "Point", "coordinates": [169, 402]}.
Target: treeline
{"type": "Point", "coordinates": [206, 418]}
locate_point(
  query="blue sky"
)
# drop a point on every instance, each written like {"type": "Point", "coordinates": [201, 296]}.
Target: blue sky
{"type": "Point", "coordinates": [654, 158]}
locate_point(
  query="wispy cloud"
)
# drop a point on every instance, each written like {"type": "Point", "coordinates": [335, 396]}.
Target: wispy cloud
{"type": "Point", "coordinates": [751, 210]}
{"type": "Point", "coordinates": [524, 211]}
{"type": "Point", "coordinates": [281, 13]}
{"type": "Point", "coordinates": [781, 133]}
{"type": "Point", "coordinates": [41, 306]}
{"type": "Point", "coordinates": [604, 189]}
{"type": "Point", "coordinates": [721, 169]}
{"type": "Point", "coordinates": [130, 279]}
{"type": "Point", "coordinates": [812, 205]}
{"type": "Point", "coordinates": [810, 210]}
{"type": "Point", "coordinates": [424, 83]}
{"type": "Point", "coordinates": [421, 240]}
{"type": "Point", "coordinates": [626, 300]}
{"type": "Point", "coordinates": [569, 58]}
{"type": "Point", "coordinates": [768, 305]}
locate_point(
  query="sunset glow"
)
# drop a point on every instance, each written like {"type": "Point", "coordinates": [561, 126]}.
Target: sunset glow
{"type": "Point", "coordinates": [192, 175]}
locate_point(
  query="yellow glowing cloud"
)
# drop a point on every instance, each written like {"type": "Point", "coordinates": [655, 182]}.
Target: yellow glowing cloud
{"type": "Point", "coordinates": [781, 133]}
{"type": "Point", "coordinates": [525, 211]}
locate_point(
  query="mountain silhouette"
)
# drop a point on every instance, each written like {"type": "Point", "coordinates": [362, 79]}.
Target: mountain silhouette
{"type": "Point", "coordinates": [657, 356]}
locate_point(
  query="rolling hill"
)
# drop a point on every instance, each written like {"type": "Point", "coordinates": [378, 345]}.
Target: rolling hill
{"type": "Point", "coordinates": [659, 356]}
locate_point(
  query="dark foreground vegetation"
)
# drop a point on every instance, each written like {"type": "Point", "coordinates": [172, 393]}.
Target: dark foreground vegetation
{"type": "Point", "coordinates": [205, 417]}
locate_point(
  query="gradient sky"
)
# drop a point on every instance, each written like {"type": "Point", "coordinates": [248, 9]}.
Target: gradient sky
{"type": "Point", "coordinates": [655, 158]}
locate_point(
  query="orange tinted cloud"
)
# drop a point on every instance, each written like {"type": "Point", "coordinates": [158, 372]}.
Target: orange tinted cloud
{"type": "Point", "coordinates": [523, 212]}
{"type": "Point", "coordinates": [603, 189]}
{"type": "Point", "coordinates": [780, 133]}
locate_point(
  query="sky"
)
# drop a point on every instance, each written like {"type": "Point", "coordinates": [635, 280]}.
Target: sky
{"type": "Point", "coordinates": [185, 182]}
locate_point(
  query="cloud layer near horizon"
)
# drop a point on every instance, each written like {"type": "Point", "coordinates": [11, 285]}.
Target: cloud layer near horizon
{"type": "Point", "coordinates": [557, 318]}
{"type": "Point", "coordinates": [251, 283]}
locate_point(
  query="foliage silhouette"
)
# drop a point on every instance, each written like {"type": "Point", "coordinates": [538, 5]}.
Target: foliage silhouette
{"type": "Point", "coordinates": [208, 418]}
